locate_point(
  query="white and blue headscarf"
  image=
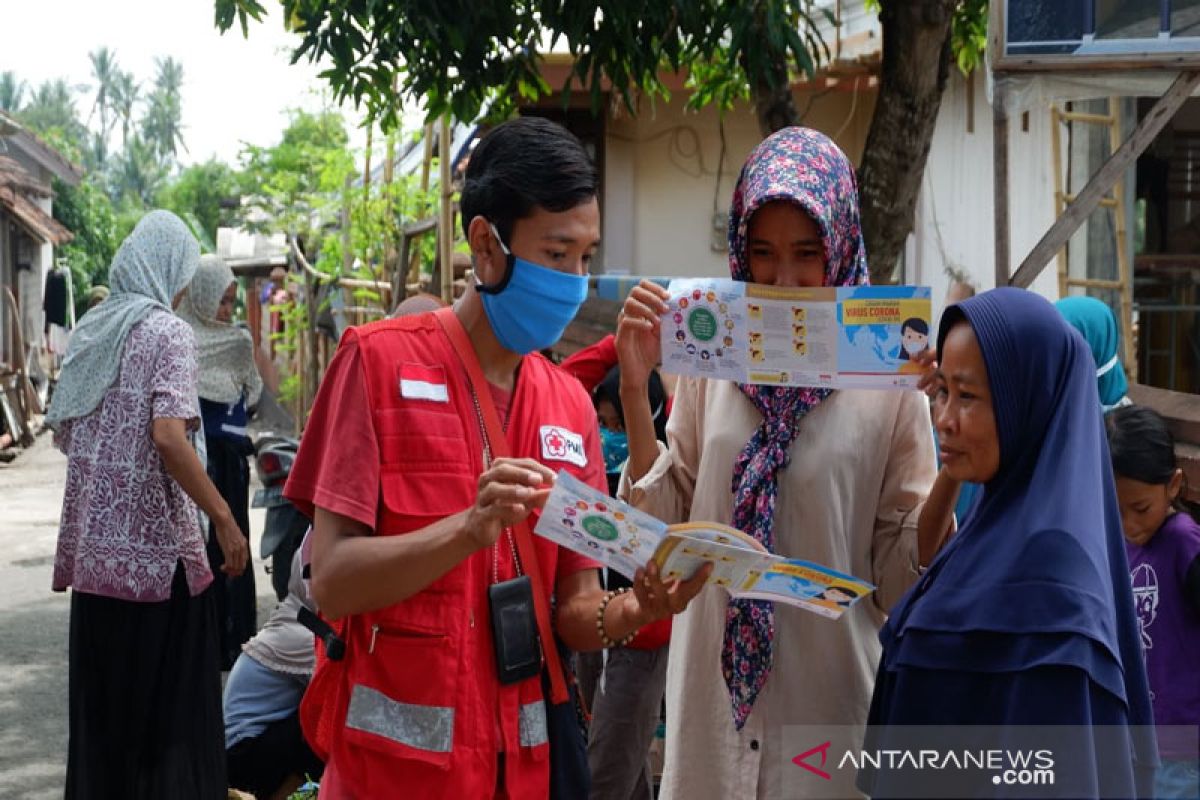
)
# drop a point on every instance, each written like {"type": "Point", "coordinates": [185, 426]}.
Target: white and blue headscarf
{"type": "Point", "coordinates": [154, 263]}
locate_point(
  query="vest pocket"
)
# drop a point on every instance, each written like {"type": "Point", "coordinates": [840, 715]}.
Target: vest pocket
{"type": "Point", "coordinates": [432, 440]}
{"type": "Point", "coordinates": [402, 696]}
{"type": "Point", "coordinates": [414, 497]}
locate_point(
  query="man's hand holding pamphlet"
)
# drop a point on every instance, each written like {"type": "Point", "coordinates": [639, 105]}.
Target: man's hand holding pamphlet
{"type": "Point", "coordinates": [582, 519]}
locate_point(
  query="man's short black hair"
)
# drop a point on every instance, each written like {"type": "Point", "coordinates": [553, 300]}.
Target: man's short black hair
{"type": "Point", "coordinates": [525, 164]}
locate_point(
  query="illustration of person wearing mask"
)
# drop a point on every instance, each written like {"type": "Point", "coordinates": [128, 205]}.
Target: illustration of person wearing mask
{"type": "Point", "coordinates": [914, 340]}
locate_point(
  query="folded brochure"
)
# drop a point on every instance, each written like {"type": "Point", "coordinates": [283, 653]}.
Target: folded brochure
{"type": "Point", "coordinates": [624, 539]}
{"type": "Point", "coordinates": [844, 337]}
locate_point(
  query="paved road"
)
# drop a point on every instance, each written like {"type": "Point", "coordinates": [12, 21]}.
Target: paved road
{"type": "Point", "coordinates": [33, 625]}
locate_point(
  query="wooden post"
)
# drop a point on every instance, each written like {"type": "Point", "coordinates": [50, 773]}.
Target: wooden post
{"type": "Point", "coordinates": [1059, 191]}
{"type": "Point", "coordinates": [1104, 179]}
{"type": "Point", "coordinates": [347, 242]}
{"type": "Point", "coordinates": [309, 347]}
{"type": "Point", "coordinates": [347, 256]}
{"type": "Point", "coordinates": [390, 226]}
{"type": "Point", "coordinates": [1124, 268]}
{"type": "Point", "coordinates": [1000, 179]}
{"type": "Point", "coordinates": [367, 162]}
{"type": "Point", "coordinates": [410, 275]}
{"type": "Point", "coordinates": [401, 278]}
{"type": "Point", "coordinates": [446, 224]}
{"type": "Point", "coordinates": [428, 157]}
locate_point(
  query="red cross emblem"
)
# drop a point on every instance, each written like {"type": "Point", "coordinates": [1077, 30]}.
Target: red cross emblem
{"type": "Point", "coordinates": [556, 445]}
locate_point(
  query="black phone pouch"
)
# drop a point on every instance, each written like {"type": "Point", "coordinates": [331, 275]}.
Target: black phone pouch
{"type": "Point", "coordinates": [514, 630]}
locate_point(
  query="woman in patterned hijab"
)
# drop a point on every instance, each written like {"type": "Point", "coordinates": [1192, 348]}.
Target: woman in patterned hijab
{"type": "Point", "coordinates": [833, 477]}
{"type": "Point", "coordinates": [152, 266]}
{"type": "Point", "coordinates": [227, 382]}
{"type": "Point", "coordinates": [224, 352]}
{"type": "Point", "coordinates": [145, 690]}
{"type": "Point", "coordinates": [804, 185]}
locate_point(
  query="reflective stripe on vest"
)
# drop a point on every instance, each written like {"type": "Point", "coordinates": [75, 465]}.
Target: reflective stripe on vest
{"type": "Point", "coordinates": [532, 724]}
{"type": "Point", "coordinates": [423, 727]}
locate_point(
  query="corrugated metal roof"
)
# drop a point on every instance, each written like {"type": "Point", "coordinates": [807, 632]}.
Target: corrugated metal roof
{"type": "Point", "coordinates": [412, 154]}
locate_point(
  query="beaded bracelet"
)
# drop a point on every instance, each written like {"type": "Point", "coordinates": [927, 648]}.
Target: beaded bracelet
{"type": "Point", "coordinates": [604, 637]}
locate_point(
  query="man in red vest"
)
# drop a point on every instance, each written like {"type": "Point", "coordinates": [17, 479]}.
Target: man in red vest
{"type": "Point", "coordinates": [413, 518]}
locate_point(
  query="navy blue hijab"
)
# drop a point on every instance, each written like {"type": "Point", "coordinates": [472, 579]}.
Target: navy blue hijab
{"type": "Point", "coordinates": [1038, 571]}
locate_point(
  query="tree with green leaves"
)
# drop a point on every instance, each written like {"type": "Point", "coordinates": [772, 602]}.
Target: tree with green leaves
{"type": "Point", "coordinates": [294, 183]}
{"type": "Point", "coordinates": [88, 213]}
{"type": "Point", "coordinates": [452, 55]}
{"type": "Point", "coordinates": [169, 77]}
{"type": "Point", "coordinates": [51, 111]}
{"type": "Point", "coordinates": [12, 92]}
{"type": "Point", "coordinates": [204, 195]}
{"type": "Point", "coordinates": [125, 95]}
{"type": "Point", "coordinates": [105, 72]}
{"type": "Point", "coordinates": [113, 196]}
{"type": "Point", "coordinates": [136, 173]}
{"type": "Point", "coordinates": [162, 126]}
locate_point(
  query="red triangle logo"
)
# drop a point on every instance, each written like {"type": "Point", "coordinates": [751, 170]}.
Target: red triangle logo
{"type": "Point", "coordinates": [802, 760]}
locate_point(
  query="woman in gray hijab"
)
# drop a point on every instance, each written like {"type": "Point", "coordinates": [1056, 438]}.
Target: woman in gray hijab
{"type": "Point", "coordinates": [145, 693]}
{"type": "Point", "coordinates": [227, 382]}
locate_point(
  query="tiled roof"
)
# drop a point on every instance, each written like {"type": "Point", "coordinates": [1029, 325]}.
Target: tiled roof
{"type": "Point", "coordinates": [17, 186]}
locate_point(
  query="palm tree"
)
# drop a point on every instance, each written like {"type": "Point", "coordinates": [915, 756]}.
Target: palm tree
{"type": "Point", "coordinates": [12, 92]}
{"type": "Point", "coordinates": [105, 71]}
{"type": "Point", "coordinates": [161, 126]}
{"type": "Point", "coordinates": [50, 112]}
{"type": "Point", "coordinates": [170, 75]}
{"type": "Point", "coordinates": [125, 93]}
{"type": "Point", "coordinates": [137, 172]}
{"type": "Point", "coordinates": [52, 105]}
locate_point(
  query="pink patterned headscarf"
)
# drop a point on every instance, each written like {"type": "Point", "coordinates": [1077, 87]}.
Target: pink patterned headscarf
{"type": "Point", "coordinates": [805, 167]}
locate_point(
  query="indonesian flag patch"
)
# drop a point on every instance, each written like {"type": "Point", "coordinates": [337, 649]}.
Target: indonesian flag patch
{"type": "Point", "coordinates": [419, 382]}
{"type": "Point", "coordinates": [560, 444]}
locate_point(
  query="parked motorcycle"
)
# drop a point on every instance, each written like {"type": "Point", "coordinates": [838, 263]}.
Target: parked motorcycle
{"type": "Point", "coordinates": [285, 526]}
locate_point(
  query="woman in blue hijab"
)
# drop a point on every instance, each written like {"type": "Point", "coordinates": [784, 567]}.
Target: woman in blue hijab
{"type": "Point", "coordinates": [1025, 617]}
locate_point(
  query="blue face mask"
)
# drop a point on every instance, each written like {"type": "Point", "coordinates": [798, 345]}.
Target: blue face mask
{"type": "Point", "coordinates": [532, 306]}
{"type": "Point", "coordinates": [616, 449]}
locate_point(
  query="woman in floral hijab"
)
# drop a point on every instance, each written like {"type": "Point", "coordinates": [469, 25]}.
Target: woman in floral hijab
{"type": "Point", "coordinates": [832, 477]}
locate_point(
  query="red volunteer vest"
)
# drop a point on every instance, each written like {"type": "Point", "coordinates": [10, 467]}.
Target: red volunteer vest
{"type": "Point", "coordinates": [417, 711]}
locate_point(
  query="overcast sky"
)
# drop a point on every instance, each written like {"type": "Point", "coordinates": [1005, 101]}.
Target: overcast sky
{"type": "Point", "coordinates": [235, 89]}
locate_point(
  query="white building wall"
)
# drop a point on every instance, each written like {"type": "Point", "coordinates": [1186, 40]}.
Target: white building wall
{"type": "Point", "coordinates": [661, 177]}
{"type": "Point", "coordinates": [955, 221]}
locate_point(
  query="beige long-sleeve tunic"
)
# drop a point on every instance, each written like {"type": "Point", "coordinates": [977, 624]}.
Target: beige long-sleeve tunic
{"type": "Point", "coordinates": [861, 465]}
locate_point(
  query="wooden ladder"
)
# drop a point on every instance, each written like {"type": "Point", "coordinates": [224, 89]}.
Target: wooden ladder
{"type": "Point", "coordinates": [1114, 201]}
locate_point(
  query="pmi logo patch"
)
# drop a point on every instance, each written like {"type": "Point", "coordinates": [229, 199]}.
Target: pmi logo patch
{"type": "Point", "coordinates": [560, 444]}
